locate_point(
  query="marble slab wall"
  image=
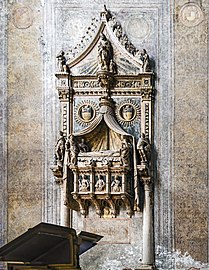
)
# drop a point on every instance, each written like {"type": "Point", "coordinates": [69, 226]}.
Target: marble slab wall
{"type": "Point", "coordinates": [25, 155]}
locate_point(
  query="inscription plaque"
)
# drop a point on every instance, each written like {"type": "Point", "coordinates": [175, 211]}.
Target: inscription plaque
{"type": "Point", "coordinates": [115, 231]}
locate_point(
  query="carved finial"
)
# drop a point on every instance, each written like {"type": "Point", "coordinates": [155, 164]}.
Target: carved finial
{"type": "Point", "coordinates": [105, 14]}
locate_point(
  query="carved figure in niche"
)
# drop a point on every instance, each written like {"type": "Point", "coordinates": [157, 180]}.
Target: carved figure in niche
{"type": "Point", "coordinates": [83, 147]}
{"type": "Point", "coordinates": [145, 60]}
{"type": "Point", "coordinates": [125, 151]}
{"type": "Point", "coordinates": [105, 52]}
{"type": "Point", "coordinates": [144, 148]}
{"type": "Point", "coordinates": [84, 184]}
{"type": "Point", "coordinates": [61, 62]}
{"type": "Point", "coordinates": [127, 112]}
{"type": "Point", "coordinates": [100, 184]}
{"type": "Point", "coordinates": [86, 112]}
{"type": "Point", "coordinates": [60, 149]}
{"type": "Point", "coordinates": [72, 146]}
{"type": "Point", "coordinates": [116, 184]}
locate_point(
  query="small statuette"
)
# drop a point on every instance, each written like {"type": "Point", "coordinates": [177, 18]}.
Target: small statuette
{"type": "Point", "coordinates": [144, 60]}
{"type": "Point", "coordinates": [60, 150]}
{"type": "Point", "coordinates": [125, 151]}
{"type": "Point", "coordinates": [144, 149]}
{"type": "Point", "coordinates": [72, 147]}
{"type": "Point", "coordinates": [61, 62]}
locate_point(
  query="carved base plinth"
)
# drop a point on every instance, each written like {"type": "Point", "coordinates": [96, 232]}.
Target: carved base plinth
{"type": "Point", "coordinates": [146, 267]}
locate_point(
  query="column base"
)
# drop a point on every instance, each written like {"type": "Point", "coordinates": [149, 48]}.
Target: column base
{"type": "Point", "coordinates": [146, 267]}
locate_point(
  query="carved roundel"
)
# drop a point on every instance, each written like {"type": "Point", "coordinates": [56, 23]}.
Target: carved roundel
{"type": "Point", "coordinates": [127, 112]}
{"type": "Point", "coordinates": [191, 14]}
{"type": "Point", "coordinates": [85, 112]}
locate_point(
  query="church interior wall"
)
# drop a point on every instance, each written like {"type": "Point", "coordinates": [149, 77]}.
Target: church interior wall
{"type": "Point", "coordinates": [32, 32]}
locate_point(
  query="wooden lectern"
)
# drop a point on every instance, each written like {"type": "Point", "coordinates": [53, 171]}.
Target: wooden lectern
{"type": "Point", "coordinates": [47, 246]}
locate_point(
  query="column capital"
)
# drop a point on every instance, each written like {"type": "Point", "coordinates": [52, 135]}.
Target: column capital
{"type": "Point", "coordinates": [147, 181]}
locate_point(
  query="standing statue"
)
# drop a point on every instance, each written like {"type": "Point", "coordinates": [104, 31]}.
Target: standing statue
{"type": "Point", "coordinates": [145, 61]}
{"type": "Point", "coordinates": [124, 152]}
{"type": "Point", "coordinates": [61, 62]}
{"type": "Point", "coordinates": [73, 150]}
{"type": "Point", "coordinates": [144, 148]}
{"type": "Point", "coordinates": [60, 149]}
{"type": "Point", "coordinates": [105, 53]}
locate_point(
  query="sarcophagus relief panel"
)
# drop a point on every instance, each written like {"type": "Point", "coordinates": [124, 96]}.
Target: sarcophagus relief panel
{"type": "Point", "coordinates": [106, 95]}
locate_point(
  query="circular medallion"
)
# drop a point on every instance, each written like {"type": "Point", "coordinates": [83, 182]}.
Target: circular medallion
{"type": "Point", "coordinates": [22, 17]}
{"type": "Point", "coordinates": [191, 14]}
{"type": "Point", "coordinates": [127, 112]}
{"type": "Point", "coordinates": [85, 112]}
{"type": "Point", "coordinates": [137, 27]}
